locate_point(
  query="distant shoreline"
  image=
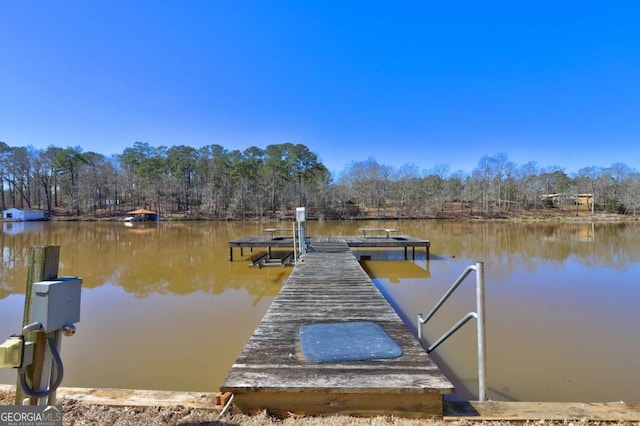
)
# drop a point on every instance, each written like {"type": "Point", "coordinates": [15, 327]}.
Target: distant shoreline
{"type": "Point", "coordinates": [603, 217]}
{"type": "Point", "coordinates": [550, 215]}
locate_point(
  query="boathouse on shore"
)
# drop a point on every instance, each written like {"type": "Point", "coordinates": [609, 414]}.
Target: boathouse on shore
{"type": "Point", "coordinates": [23, 214]}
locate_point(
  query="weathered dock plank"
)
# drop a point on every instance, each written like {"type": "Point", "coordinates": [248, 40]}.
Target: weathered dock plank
{"type": "Point", "coordinates": [328, 285]}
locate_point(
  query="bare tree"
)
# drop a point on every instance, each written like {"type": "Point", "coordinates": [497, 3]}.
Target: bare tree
{"type": "Point", "coordinates": [48, 176]}
{"type": "Point", "coordinates": [405, 190]}
{"type": "Point", "coordinates": [370, 182]}
{"type": "Point", "coordinates": [588, 180]}
{"type": "Point", "coordinates": [5, 151]}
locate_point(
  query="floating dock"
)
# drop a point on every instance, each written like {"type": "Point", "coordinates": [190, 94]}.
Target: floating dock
{"type": "Point", "coordinates": [329, 286]}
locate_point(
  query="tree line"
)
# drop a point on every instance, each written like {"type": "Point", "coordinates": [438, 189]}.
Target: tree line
{"type": "Point", "coordinates": [215, 183]}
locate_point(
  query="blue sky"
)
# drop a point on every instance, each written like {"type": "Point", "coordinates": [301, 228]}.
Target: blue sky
{"type": "Point", "coordinates": [424, 83]}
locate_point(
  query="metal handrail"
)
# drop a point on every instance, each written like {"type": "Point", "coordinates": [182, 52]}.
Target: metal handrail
{"type": "Point", "coordinates": [479, 315]}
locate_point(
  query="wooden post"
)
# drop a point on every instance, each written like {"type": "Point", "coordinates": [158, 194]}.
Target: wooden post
{"type": "Point", "coordinates": [43, 266]}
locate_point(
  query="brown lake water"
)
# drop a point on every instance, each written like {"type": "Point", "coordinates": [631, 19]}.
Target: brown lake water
{"type": "Point", "coordinates": [163, 308]}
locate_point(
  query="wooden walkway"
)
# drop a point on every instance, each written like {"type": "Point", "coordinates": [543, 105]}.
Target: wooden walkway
{"type": "Point", "coordinates": [328, 285]}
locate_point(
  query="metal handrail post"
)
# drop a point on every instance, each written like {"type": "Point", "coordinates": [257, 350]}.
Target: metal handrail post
{"type": "Point", "coordinates": [482, 349]}
{"type": "Point", "coordinates": [479, 315]}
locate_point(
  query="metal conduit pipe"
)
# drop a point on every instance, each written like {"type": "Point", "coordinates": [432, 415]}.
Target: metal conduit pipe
{"type": "Point", "coordinates": [59, 373]}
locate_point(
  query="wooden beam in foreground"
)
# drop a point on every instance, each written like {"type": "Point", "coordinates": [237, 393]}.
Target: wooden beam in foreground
{"type": "Point", "coordinates": [534, 411]}
{"type": "Point", "coordinates": [340, 404]}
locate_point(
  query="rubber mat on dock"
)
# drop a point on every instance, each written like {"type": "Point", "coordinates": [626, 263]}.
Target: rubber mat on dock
{"type": "Point", "coordinates": [346, 341]}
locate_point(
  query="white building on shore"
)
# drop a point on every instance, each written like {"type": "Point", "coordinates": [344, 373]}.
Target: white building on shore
{"type": "Point", "coordinates": [22, 214]}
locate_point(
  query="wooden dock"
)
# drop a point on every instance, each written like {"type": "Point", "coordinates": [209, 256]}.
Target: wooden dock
{"type": "Point", "coordinates": [328, 285]}
{"type": "Point", "coordinates": [404, 242]}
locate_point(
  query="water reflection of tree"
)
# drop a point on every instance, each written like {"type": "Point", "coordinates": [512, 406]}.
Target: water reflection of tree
{"type": "Point", "coordinates": [514, 245]}
{"type": "Point", "coordinates": [15, 260]}
{"type": "Point", "coordinates": [526, 245]}
{"type": "Point", "coordinates": [187, 257]}
{"type": "Point", "coordinates": [177, 258]}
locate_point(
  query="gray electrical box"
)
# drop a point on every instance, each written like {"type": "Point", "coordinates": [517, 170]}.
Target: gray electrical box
{"type": "Point", "coordinates": [301, 214]}
{"type": "Point", "coordinates": [55, 304]}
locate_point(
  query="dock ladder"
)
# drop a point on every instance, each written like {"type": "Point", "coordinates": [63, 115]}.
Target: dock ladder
{"type": "Point", "coordinates": [479, 315]}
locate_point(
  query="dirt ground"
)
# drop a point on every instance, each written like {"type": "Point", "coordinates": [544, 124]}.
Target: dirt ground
{"type": "Point", "coordinates": [79, 413]}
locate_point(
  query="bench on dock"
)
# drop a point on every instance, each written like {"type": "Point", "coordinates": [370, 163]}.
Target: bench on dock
{"type": "Point", "coordinates": [273, 231]}
{"type": "Point", "coordinates": [378, 231]}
